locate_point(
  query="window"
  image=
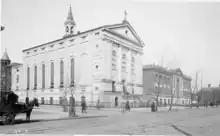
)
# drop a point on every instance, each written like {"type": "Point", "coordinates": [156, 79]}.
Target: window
{"type": "Point", "coordinates": [67, 29]}
{"type": "Point", "coordinates": [61, 73]}
{"type": "Point", "coordinates": [113, 86]}
{"type": "Point", "coordinates": [126, 32]}
{"type": "Point", "coordinates": [124, 63]}
{"type": "Point", "coordinates": [71, 31]}
{"type": "Point", "coordinates": [133, 66]}
{"type": "Point", "coordinates": [52, 75]}
{"type": "Point", "coordinates": [97, 46]}
{"type": "Point", "coordinates": [114, 60]}
{"type": "Point", "coordinates": [97, 67]}
{"type": "Point", "coordinates": [43, 76]}
{"type": "Point", "coordinates": [28, 78]}
{"type": "Point", "coordinates": [17, 79]}
{"type": "Point", "coordinates": [72, 70]}
{"type": "Point", "coordinates": [35, 77]}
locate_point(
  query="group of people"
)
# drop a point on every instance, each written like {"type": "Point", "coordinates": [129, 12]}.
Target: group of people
{"type": "Point", "coordinates": [72, 105]}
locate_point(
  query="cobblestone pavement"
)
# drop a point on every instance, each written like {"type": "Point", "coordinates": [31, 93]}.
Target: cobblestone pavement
{"type": "Point", "coordinates": [202, 121]}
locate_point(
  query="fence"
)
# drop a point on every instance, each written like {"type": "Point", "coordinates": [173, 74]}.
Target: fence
{"type": "Point", "coordinates": [108, 104]}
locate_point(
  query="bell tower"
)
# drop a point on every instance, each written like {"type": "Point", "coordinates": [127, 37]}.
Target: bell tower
{"type": "Point", "coordinates": [70, 24]}
{"type": "Point", "coordinates": [5, 72]}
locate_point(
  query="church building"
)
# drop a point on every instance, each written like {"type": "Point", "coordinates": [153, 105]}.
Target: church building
{"type": "Point", "coordinates": [96, 64]}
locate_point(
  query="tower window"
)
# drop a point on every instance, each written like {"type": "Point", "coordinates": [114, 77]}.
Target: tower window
{"type": "Point", "coordinates": [71, 31]}
{"type": "Point", "coordinates": [67, 29]}
{"type": "Point", "coordinates": [96, 66]}
{"type": "Point", "coordinates": [126, 32]}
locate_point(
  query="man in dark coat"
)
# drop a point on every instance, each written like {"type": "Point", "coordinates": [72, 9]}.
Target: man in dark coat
{"type": "Point", "coordinates": [72, 109]}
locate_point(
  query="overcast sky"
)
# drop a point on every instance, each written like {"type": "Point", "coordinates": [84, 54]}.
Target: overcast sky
{"type": "Point", "coordinates": [186, 35]}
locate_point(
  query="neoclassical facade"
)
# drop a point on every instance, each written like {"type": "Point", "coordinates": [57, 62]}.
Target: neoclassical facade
{"type": "Point", "coordinates": [92, 63]}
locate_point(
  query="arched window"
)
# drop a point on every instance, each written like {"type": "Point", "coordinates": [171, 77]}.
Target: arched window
{"type": "Point", "coordinates": [28, 78]}
{"type": "Point", "coordinates": [52, 75]}
{"type": "Point", "coordinates": [35, 77]}
{"type": "Point", "coordinates": [43, 76]}
{"type": "Point", "coordinates": [71, 30]}
{"type": "Point", "coordinates": [67, 29]}
{"type": "Point", "coordinates": [72, 71]}
{"type": "Point", "coordinates": [61, 73]}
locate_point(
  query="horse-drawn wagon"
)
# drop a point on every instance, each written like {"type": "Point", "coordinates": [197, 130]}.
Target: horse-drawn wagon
{"type": "Point", "coordinates": [9, 107]}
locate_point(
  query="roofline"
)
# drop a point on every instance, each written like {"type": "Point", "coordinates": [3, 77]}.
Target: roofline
{"type": "Point", "coordinates": [62, 39]}
{"type": "Point", "coordinates": [142, 43]}
{"type": "Point", "coordinates": [119, 35]}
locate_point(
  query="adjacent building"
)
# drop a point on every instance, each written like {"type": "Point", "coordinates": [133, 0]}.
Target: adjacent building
{"type": "Point", "coordinates": [163, 82]}
{"type": "Point", "coordinates": [208, 94]}
{"type": "Point", "coordinates": [94, 63]}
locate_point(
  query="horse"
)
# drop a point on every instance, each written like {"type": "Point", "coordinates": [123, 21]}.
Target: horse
{"type": "Point", "coordinates": [30, 106]}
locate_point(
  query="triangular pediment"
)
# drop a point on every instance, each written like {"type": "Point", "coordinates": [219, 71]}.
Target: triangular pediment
{"type": "Point", "coordinates": [126, 31]}
{"type": "Point", "coordinates": [179, 71]}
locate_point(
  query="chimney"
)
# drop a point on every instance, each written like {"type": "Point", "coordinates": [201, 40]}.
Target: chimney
{"type": "Point", "coordinates": [209, 85]}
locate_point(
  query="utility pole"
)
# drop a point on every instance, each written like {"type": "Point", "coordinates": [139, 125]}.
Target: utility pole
{"type": "Point", "coordinates": [196, 88]}
{"type": "Point", "coordinates": [162, 62]}
{"type": "Point", "coordinates": [201, 84]}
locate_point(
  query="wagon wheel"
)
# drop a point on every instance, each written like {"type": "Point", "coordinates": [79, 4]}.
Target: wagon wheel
{"type": "Point", "coordinates": [9, 119]}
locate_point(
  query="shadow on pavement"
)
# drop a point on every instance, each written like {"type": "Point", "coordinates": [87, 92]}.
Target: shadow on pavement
{"type": "Point", "coordinates": [22, 121]}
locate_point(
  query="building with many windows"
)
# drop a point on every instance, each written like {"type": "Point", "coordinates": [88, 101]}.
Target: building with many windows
{"type": "Point", "coordinates": [159, 82]}
{"type": "Point", "coordinates": [94, 64]}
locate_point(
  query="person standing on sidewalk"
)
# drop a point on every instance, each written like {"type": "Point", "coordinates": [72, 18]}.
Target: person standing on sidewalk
{"type": "Point", "coordinates": [72, 109]}
{"type": "Point", "coordinates": [98, 104]}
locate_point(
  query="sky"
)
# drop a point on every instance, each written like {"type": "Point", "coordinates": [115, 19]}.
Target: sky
{"type": "Point", "coordinates": [185, 35]}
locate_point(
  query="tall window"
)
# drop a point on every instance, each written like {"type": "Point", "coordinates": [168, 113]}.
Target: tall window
{"type": "Point", "coordinates": [17, 79]}
{"type": "Point", "coordinates": [124, 63]}
{"type": "Point", "coordinates": [61, 73]}
{"type": "Point", "coordinates": [43, 76]}
{"type": "Point", "coordinates": [52, 75]}
{"type": "Point", "coordinates": [35, 77]}
{"type": "Point", "coordinates": [28, 78]}
{"type": "Point", "coordinates": [72, 69]}
{"type": "Point", "coordinates": [114, 60]}
{"type": "Point", "coordinates": [132, 65]}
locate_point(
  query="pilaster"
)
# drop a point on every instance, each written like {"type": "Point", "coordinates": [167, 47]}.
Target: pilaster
{"type": "Point", "coordinates": [119, 54]}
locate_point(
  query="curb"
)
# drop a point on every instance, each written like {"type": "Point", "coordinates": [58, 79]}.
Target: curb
{"type": "Point", "coordinates": [70, 118]}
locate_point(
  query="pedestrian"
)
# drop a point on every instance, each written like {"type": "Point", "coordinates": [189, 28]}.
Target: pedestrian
{"type": "Point", "coordinates": [98, 104]}
{"type": "Point", "coordinates": [72, 111]}
{"type": "Point", "coordinates": [83, 104]}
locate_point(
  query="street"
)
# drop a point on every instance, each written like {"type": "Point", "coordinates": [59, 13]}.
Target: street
{"type": "Point", "coordinates": [202, 121]}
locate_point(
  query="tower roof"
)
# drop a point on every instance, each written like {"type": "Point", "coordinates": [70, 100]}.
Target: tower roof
{"type": "Point", "coordinates": [5, 56]}
{"type": "Point", "coordinates": [70, 18]}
